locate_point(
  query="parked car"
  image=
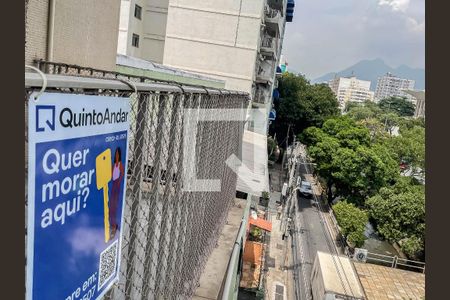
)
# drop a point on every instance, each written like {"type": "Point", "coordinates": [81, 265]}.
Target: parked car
{"type": "Point", "coordinates": [305, 189]}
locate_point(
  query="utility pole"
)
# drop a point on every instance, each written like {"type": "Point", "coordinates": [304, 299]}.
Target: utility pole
{"type": "Point", "coordinates": [287, 229]}
{"type": "Point", "coordinates": [385, 120]}
{"type": "Point", "coordinates": [289, 203]}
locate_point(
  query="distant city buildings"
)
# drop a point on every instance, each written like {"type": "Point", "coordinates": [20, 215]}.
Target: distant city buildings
{"type": "Point", "coordinates": [351, 89]}
{"type": "Point", "coordinates": [390, 85]}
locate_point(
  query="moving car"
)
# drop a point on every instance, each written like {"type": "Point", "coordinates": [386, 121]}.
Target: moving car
{"type": "Point", "coordinates": [305, 189]}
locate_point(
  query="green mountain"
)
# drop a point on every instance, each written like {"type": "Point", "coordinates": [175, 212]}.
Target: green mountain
{"type": "Point", "coordinates": [372, 69]}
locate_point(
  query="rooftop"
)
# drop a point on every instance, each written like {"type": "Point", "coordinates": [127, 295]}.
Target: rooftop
{"type": "Point", "coordinates": [253, 173]}
{"type": "Point", "coordinates": [349, 286]}
{"type": "Point", "coordinates": [214, 273]}
{"type": "Point", "coordinates": [380, 282]}
{"type": "Point", "coordinates": [140, 67]}
{"type": "Point", "coordinates": [251, 268]}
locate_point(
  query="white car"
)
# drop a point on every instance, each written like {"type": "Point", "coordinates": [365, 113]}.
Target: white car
{"type": "Point", "coordinates": [305, 189]}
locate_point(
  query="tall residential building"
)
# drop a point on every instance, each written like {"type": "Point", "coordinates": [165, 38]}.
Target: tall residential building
{"type": "Point", "coordinates": [239, 42]}
{"type": "Point", "coordinates": [351, 89]}
{"type": "Point", "coordinates": [390, 85]}
{"type": "Point", "coordinates": [81, 32]}
{"type": "Point", "coordinates": [142, 29]}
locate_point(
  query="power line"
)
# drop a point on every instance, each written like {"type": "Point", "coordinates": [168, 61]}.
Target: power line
{"type": "Point", "coordinates": [328, 241]}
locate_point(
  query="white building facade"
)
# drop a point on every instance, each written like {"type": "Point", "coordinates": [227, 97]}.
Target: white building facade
{"type": "Point", "coordinates": [142, 29]}
{"type": "Point", "coordinates": [351, 89]}
{"type": "Point", "coordinates": [390, 85]}
{"type": "Point", "coordinates": [236, 41]}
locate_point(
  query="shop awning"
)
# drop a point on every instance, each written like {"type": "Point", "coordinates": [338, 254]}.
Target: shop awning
{"type": "Point", "coordinates": [261, 223]}
{"type": "Point", "coordinates": [253, 176]}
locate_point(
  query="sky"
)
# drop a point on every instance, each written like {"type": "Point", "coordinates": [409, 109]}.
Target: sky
{"type": "Point", "coordinates": [331, 35]}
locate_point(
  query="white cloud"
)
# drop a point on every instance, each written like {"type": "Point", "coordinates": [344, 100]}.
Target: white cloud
{"type": "Point", "coordinates": [396, 5]}
{"type": "Point", "coordinates": [329, 35]}
{"type": "Point", "coordinates": [416, 26]}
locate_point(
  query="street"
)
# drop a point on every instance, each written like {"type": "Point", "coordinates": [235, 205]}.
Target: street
{"type": "Point", "coordinates": [310, 235]}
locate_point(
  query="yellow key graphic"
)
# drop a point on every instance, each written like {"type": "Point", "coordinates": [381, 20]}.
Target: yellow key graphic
{"type": "Point", "coordinates": [103, 175]}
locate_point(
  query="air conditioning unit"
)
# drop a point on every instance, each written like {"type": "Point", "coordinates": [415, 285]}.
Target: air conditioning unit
{"type": "Point", "coordinates": [360, 255]}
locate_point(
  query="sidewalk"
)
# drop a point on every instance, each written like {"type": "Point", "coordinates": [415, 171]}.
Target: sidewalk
{"type": "Point", "coordinates": [279, 283]}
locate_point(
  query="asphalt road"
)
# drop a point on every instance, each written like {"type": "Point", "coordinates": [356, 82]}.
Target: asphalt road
{"type": "Point", "coordinates": [310, 235]}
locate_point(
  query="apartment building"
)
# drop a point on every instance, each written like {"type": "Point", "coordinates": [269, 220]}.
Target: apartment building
{"type": "Point", "coordinates": [390, 85]}
{"type": "Point", "coordinates": [351, 89]}
{"type": "Point", "coordinates": [142, 29]}
{"type": "Point", "coordinates": [79, 32]}
{"type": "Point", "coordinates": [238, 41]}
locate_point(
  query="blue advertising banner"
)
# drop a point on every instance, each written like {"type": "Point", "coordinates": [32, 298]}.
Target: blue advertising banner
{"type": "Point", "coordinates": [77, 166]}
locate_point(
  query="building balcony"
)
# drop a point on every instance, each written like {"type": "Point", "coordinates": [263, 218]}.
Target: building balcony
{"type": "Point", "coordinates": [276, 4]}
{"type": "Point", "coordinates": [264, 72]}
{"type": "Point", "coordinates": [262, 95]}
{"type": "Point", "coordinates": [269, 46]}
{"type": "Point", "coordinates": [273, 19]}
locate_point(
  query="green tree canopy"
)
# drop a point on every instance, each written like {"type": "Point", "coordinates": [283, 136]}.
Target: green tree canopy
{"type": "Point", "coordinates": [352, 222]}
{"type": "Point", "coordinates": [347, 160]}
{"type": "Point", "coordinates": [302, 105]}
{"type": "Point", "coordinates": [400, 105]}
{"type": "Point", "coordinates": [362, 111]}
{"type": "Point", "coordinates": [409, 148]}
{"type": "Point", "coordinates": [399, 214]}
{"type": "Point", "coordinates": [361, 172]}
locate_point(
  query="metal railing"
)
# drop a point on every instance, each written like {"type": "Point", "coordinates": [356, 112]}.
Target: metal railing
{"type": "Point", "coordinates": [261, 96]}
{"type": "Point", "coordinates": [271, 13]}
{"type": "Point", "coordinates": [396, 262]}
{"type": "Point", "coordinates": [265, 71]}
{"type": "Point", "coordinates": [168, 233]}
{"type": "Point", "coordinates": [269, 42]}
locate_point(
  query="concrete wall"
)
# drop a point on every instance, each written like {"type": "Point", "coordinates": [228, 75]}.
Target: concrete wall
{"type": "Point", "coordinates": [36, 30]}
{"type": "Point", "coordinates": [208, 47]}
{"type": "Point", "coordinates": [155, 20]}
{"type": "Point", "coordinates": [85, 32]}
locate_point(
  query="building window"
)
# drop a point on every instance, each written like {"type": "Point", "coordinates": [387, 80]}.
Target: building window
{"type": "Point", "coordinates": [135, 40]}
{"type": "Point", "coordinates": [138, 12]}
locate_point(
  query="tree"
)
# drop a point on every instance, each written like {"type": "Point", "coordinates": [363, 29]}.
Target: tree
{"type": "Point", "coordinates": [399, 214]}
{"type": "Point", "coordinates": [409, 123]}
{"type": "Point", "coordinates": [347, 160]}
{"type": "Point", "coordinates": [311, 135]}
{"type": "Point", "coordinates": [322, 152]}
{"type": "Point", "coordinates": [363, 111]}
{"type": "Point", "coordinates": [400, 106]}
{"type": "Point", "coordinates": [409, 148]}
{"type": "Point", "coordinates": [359, 173]}
{"type": "Point", "coordinates": [390, 121]}
{"type": "Point", "coordinates": [273, 151]}
{"type": "Point", "coordinates": [302, 105]}
{"type": "Point", "coordinates": [376, 129]}
{"type": "Point", "coordinates": [352, 222]}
